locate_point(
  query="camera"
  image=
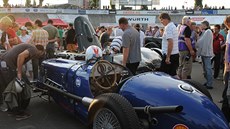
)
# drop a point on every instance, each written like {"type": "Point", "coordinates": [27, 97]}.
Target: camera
{"type": "Point", "coordinates": [187, 57]}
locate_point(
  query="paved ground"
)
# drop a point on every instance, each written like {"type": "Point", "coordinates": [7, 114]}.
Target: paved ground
{"type": "Point", "coordinates": [50, 116]}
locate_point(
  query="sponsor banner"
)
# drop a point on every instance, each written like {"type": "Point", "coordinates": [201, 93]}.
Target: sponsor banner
{"type": "Point", "coordinates": [43, 10]}
{"type": "Point", "coordinates": [112, 12]}
{"type": "Point", "coordinates": [223, 12]}
{"type": "Point", "coordinates": [139, 19]}
{"type": "Point", "coordinates": [30, 10]}
{"type": "Point", "coordinates": [82, 12]}
{"type": "Point", "coordinates": [211, 19]}
{"type": "Point", "coordinates": [189, 12]}
{"type": "Point", "coordinates": [66, 18]}
{"type": "Point", "coordinates": [153, 12]}
{"type": "Point", "coordinates": [136, 2]}
{"type": "Point", "coordinates": [209, 12]}
{"type": "Point", "coordinates": [197, 12]}
{"type": "Point", "coordinates": [97, 11]}
{"type": "Point", "coordinates": [128, 12]}
{"type": "Point", "coordinates": [3, 10]}
{"type": "Point", "coordinates": [71, 11]}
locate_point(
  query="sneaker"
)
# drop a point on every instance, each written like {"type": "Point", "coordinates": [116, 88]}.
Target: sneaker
{"type": "Point", "coordinates": [3, 108]}
{"type": "Point", "coordinates": [23, 116]}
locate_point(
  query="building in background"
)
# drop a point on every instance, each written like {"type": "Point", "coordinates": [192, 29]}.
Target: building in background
{"type": "Point", "coordinates": [134, 4]}
{"type": "Point", "coordinates": [79, 3]}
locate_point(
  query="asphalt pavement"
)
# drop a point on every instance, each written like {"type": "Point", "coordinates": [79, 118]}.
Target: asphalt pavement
{"type": "Point", "coordinates": [47, 115]}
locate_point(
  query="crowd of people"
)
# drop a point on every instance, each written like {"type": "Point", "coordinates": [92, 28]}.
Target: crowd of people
{"type": "Point", "coordinates": [26, 47]}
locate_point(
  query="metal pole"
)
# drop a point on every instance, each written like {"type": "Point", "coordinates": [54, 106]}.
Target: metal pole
{"type": "Point", "coordinates": [135, 4]}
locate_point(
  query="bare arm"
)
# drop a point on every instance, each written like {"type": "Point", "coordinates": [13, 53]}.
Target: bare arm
{"type": "Point", "coordinates": [125, 55]}
{"type": "Point", "coordinates": [20, 61]}
{"type": "Point", "coordinates": [54, 40]}
{"type": "Point", "coordinates": [189, 45]}
{"type": "Point", "coordinates": [170, 47]}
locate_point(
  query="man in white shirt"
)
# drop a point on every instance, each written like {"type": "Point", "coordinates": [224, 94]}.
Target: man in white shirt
{"type": "Point", "coordinates": [170, 60]}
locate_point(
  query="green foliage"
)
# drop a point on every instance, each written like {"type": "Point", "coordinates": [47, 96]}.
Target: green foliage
{"type": "Point", "coordinates": [40, 2]}
{"type": "Point", "coordinates": [198, 3]}
{"type": "Point", "coordinates": [34, 3]}
{"type": "Point", "coordinates": [28, 3]}
{"type": "Point", "coordinates": [94, 3]}
{"type": "Point", "coordinates": [5, 3]}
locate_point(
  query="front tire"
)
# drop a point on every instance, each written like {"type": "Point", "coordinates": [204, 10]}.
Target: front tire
{"type": "Point", "coordinates": [112, 111]}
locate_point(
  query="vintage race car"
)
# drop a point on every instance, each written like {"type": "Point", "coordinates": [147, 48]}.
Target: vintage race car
{"type": "Point", "coordinates": [104, 95]}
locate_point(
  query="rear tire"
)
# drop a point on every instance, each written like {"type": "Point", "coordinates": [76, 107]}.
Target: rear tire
{"type": "Point", "coordinates": [199, 87]}
{"type": "Point", "coordinates": [112, 111]}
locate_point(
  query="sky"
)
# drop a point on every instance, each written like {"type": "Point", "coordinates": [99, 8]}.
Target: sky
{"type": "Point", "coordinates": [163, 3]}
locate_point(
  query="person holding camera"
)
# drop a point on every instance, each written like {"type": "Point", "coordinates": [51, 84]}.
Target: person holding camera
{"type": "Point", "coordinates": [185, 49]}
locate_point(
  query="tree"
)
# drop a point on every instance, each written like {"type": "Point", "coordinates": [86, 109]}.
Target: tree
{"type": "Point", "coordinates": [40, 2]}
{"type": "Point", "coordinates": [34, 3]}
{"type": "Point", "coordinates": [5, 3]}
{"type": "Point", "coordinates": [94, 3]}
{"type": "Point", "coordinates": [28, 3]}
{"type": "Point", "coordinates": [198, 3]}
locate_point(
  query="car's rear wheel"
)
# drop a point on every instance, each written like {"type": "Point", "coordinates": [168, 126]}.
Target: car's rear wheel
{"type": "Point", "coordinates": [199, 87]}
{"type": "Point", "coordinates": [112, 111]}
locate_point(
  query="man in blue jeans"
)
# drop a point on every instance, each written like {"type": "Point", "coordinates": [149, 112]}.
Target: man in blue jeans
{"type": "Point", "coordinates": [205, 50]}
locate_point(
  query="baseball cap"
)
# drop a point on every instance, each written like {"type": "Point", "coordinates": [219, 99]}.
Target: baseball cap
{"type": "Point", "coordinates": [23, 28]}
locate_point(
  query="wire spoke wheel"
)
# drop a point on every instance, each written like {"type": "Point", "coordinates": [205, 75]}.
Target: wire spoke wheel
{"type": "Point", "coordinates": [106, 119]}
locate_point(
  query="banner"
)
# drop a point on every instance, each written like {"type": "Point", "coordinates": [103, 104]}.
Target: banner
{"type": "Point", "coordinates": [97, 11]}
{"type": "Point", "coordinates": [139, 19]}
{"type": "Point", "coordinates": [189, 12]}
{"type": "Point", "coordinates": [112, 12]}
{"type": "Point", "coordinates": [82, 12]}
{"type": "Point", "coordinates": [211, 19]}
{"type": "Point", "coordinates": [152, 12]}
{"type": "Point", "coordinates": [209, 12]}
{"type": "Point", "coordinates": [66, 18]}
{"type": "Point", "coordinates": [223, 12]}
{"type": "Point", "coordinates": [136, 2]}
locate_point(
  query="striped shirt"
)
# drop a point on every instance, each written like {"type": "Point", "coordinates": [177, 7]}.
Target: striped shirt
{"type": "Point", "coordinates": [116, 43]}
{"type": "Point", "coordinates": [39, 37]}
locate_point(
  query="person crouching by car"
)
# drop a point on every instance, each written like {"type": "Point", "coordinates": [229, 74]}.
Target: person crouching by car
{"type": "Point", "coordinates": [11, 64]}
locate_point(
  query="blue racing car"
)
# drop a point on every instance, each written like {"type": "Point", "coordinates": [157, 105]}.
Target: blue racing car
{"type": "Point", "coordinates": [105, 95]}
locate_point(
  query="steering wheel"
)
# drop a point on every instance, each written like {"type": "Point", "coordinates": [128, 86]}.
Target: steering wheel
{"type": "Point", "coordinates": [104, 74]}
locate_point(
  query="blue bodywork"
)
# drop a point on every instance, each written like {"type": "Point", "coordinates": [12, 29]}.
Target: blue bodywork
{"type": "Point", "coordinates": [151, 88]}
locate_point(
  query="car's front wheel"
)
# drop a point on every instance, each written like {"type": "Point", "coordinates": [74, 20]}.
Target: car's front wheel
{"type": "Point", "coordinates": [112, 111]}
